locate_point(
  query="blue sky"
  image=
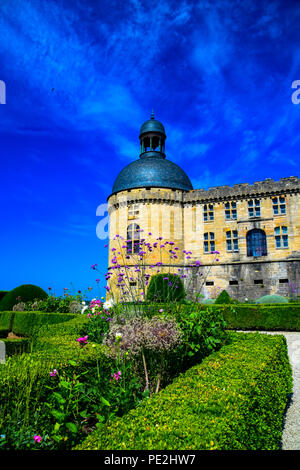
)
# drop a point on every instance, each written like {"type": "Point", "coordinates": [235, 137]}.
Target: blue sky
{"type": "Point", "coordinates": [82, 76]}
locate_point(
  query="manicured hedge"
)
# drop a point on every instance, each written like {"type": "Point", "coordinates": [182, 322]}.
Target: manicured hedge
{"type": "Point", "coordinates": [234, 399]}
{"type": "Point", "coordinates": [25, 323]}
{"type": "Point", "coordinates": [6, 320]}
{"type": "Point", "coordinates": [280, 317]}
{"type": "Point", "coordinates": [25, 292]}
{"type": "Point", "coordinates": [16, 346]}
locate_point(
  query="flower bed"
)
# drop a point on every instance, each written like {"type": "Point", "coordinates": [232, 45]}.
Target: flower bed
{"type": "Point", "coordinates": [65, 367]}
{"type": "Point", "coordinates": [235, 399]}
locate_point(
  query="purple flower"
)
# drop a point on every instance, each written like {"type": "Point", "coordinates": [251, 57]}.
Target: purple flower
{"type": "Point", "coordinates": [53, 373]}
{"type": "Point", "coordinates": [37, 438]}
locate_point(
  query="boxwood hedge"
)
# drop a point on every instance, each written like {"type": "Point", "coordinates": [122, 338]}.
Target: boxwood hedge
{"type": "Point", "coordinates": [280, 317]}
{"type": "Point", "coordinates": [235, 399]}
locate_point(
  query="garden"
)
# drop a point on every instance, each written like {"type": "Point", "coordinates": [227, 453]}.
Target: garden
{"type": "Point", "coordinates": [149, 369]}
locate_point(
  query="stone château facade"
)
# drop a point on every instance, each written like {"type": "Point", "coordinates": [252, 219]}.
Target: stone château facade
{"type": "Point", "coordinates": [256, 228]}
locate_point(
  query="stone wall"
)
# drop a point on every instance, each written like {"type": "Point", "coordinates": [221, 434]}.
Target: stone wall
{"type": "Point", "coordinates": [178, 216]}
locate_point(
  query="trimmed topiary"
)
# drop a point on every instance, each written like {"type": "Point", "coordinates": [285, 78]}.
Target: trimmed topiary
{"type": "Point", "coordinates": [272, 299]}
{"type": "Point", "coordinates": [3, 293]}
{"type": "Point", "coordinates": [223, 298]}
{"type": "Point", "coordinates": [23, 293]}
{"type": "Point", "coordinates": [165, 287]}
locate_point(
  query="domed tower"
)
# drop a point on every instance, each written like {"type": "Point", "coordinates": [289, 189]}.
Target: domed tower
{"type": "Point", "coordinates": [152, 170]}
{"type": "Point", "coordinates": [147, 196]}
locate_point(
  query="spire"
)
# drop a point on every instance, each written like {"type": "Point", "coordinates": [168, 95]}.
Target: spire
{"type": "Point", "coordinates": [152, 114]}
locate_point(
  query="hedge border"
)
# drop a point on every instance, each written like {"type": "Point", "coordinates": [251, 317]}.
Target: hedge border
{"type": "Point", "coordinates": [235, 399]}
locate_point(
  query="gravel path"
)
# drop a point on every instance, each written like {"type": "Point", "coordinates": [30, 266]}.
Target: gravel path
{"type": "Point", "coordinates": [291, 430]}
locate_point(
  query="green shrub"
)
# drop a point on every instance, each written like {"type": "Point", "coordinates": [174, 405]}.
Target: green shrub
{"type": "Point", "coordinates": [272, 299]}
{"type": "Point", "coordinates": [234, 400]}
{"type": "Point", "coordinates": [16, 345]}
{"type": "Point", "coordinates": [3, 293]}
{"type": "Point", "coordinates": [208, 301]}
{"type": "Point", "coordinates": [281, 317]}
{"type": "Point", "coordinates": [27, 323]}
{"type": "Point", "coordinates": [6, 320]}
{"type": "Point", "coordinates": [165, 287]}
{"type": "Point", "coordinates": [25, 293]}
{"type": "Point", "coordinates": [223, 298]}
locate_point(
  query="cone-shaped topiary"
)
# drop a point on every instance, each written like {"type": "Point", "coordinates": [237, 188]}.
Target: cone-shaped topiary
{"type": "Point", "coordinates": [165, 287]}
{"type": "Point", "coordinates": [24, 293]}
{"type": "Point", "coordinates": [272, 299]}
{"type": "Point", "coordinates": [223, 298]}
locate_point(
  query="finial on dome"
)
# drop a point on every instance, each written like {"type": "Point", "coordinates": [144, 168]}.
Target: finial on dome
{"type": "Point", "coordinates": [152, 114]}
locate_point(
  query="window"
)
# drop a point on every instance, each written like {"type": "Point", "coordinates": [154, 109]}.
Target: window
{"type": "Point", "coordinates": [234, 283]}
{"type": "Point", "coordinates": [133, 239]}
{"type": "Point", "coordinates": [281, 237]}
{"type": "Point", "coordinates": [283, 281]}
{"type": "Point", "coordinates": [208, 212]}
{"type": "Point", "coordinates": [279, 205]}
{"type": "Point", "coordinates": [258, 281]}
{"type": "Point", "coordinates": [209, 242]}
{"type": "Point", "coordinates": [254, 208]}
{"type": "Point", "coordinates": [230, 210]}
{"type": "Point", "coordinates": [133, 211]}
{"type": "Point", "coordinates": [232, 243]}
{"type": "Point", "coordinates": [256, 243]}
{"type": "Point", "coordinates": [209, 283]}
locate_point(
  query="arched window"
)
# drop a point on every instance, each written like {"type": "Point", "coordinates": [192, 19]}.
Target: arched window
{"type": "Point", "coordinates": [281, 237]}
{"type": "Point", "coordinates": [256, 242]}
{"type": "Point", "coordinates": [133, 239]}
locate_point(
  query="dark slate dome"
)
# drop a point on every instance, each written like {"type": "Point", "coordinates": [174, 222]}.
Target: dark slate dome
{"type": "Point", "coordinates": [152, 170]}
{"type": "Point", "coordinates": [154, 173]}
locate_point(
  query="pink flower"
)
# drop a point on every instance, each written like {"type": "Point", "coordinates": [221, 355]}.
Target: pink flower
{"type": "Point", "coordinates": [116, 376]}
{"type": "Point", "coordinates": [37, 438]}
{"type": "Point", "coordinates": [53, 373]}
{"type": "Point", "coordinates": [82, 341]}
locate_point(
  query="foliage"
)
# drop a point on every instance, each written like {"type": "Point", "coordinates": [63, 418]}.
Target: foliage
{"type": "Point", "coordinates": [272, 299]}
{"type": "Point", "coordinates": [57, 304]}
{"type": "Point", "coordinates": [280, 317]}
{"type": "Point", "coordinates": [3, 293]}
{"type": "Point", "coordinates": [24, 293]}
{"type": "Point", "coordinates": [233, 400]}
{"type": "Point", "coordinates": [16, 345]}
{"type": "Point", "coordinates": [26, 323]}
{"type": "Point", "coordinates": [208, 301]}
{"type": "Point", "coordinates": [223, 298]}
{"type": "Point", "coordinates": [165, 287]}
